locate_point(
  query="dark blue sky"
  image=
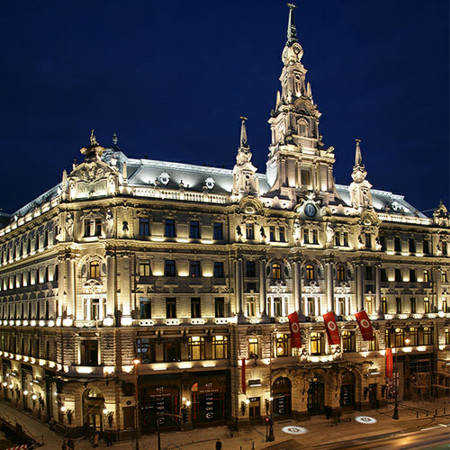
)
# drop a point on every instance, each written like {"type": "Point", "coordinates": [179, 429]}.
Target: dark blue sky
{"type": "Point", "coordinates": [172, 78]}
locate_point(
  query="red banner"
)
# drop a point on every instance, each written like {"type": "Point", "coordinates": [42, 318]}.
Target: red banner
{"type": "Point", "coordinates": [296, 339]}
{"type": "Point", "coordinates": [243, 382]}
{"type": "Point", "coordinates": [364, 325]}
{"type": "Point", "coordinates": [389, 363]}
{"type": "Point", "coordinates": [332, 328]}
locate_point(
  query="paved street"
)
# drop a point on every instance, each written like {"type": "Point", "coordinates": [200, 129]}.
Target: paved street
{"type": "Point", "coordinates": [319, 433]}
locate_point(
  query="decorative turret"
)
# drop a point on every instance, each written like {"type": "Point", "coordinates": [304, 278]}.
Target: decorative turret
{"type": "Point", "coordinates": [298, 161]}
{"type": "Point", "coordinates": [441, 216]}
{"type": "Point", "coordinates": [245, 181]}
{"type": "Point", "coordinates": [360, 188]}
{"type": "Point", "coordinates": [94, 151]}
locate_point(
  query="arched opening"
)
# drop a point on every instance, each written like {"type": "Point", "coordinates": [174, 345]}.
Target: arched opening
{"type": "Point", "coordinates": [93, 405]}
{"type": "Point", "coordinates": [209, 403]}
{"type": "Point", "coordinates": [348, 391]}
{"type": "Point", "coordinates": [281, 392]}
{"type": "Point", "coordinates": [316, 395]}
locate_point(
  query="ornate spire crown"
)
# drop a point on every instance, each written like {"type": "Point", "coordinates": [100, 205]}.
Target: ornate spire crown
{"type": "Point", "coordinates": [243, 141]}
{"type": "Point", "coordinates": [292, 30]}
{"type": "Point", "coordinates": [92, 151]}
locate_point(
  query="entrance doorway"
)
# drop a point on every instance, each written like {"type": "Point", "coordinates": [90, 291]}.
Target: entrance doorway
{"type": "Point", "coordinates": [348, 391]}
{"type": "Point", "coordinates": [281, 397]}
{"type": "Point", "coordinates": [316, 396]}
{"type": "Point", "coordinates": [373, 401]}
{"type": "Point", "coordinates": [93, 405]}
{"type": "Point", "coordinates": [254, 410]}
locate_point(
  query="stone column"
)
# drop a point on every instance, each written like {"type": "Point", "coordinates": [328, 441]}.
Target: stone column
{"type": "Point", "coordinates": [436, 273]}
{"type": "Point", "coordinates": [359, 287]}
{"type": "Point", "coordinates": [110, 284]}
{"type": "Point", "coordinates": [262, 286]}
{"type": "Point", "coordinates": [125, 288]}
{"type": "Point", "coordinates": [329, 285]}
{"type": "Point", "coordinates": [71, 305]}
{"type": "Point", "coordinates": [239, 285]}
{"type": "Point", "coordinates": [378, 289]}
{"type": "Point", "coordinates": [297, 287]}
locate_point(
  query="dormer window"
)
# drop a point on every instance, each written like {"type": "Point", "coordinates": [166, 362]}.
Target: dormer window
{"type": "Point", "coordinates": [250, 231]}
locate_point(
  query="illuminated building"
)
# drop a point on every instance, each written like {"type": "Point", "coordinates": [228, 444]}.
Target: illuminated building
{"type": "Point", "coordinates": [193, 269]}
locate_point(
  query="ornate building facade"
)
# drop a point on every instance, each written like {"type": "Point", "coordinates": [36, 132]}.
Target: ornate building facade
{"type": "Point", "coordinates": [194, 270]}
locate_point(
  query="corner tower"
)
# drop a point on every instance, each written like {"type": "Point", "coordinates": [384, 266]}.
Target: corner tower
{"type": "Point", "coordinates": [298, 162]}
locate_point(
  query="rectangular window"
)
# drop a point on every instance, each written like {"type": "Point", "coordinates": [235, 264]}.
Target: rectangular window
{"type": "Point", "coordinates": [281, 345]}
{"type": "Point", "coordinates": [412, 245]}
{"type": "Point", "coordinates": [87, 228]}
{"type": "Point", "coordinates": [194, 229]}
{"type": "Point", "coordinates": [444, 277]}
{"type": "Point", "coordinates": [398, 304]}
{"type": "Point", "coordinates": [368, 239]}
{"type": "Point", "coordinates": [195, 269]}
{"type": "Point", "coordinates": [219, 307]}
{"type": "Point", "coordinates": [95, 309]}
{"type": "Point", "coordinates": [428, 336]}
{"type": "Point", "coordinates": [253, 347]}
{"type": "Point", "coordinates": [426, 247]}
{"type": "Point", "coordinates": [145, 308]}
{"type": "Point", "coordinates": [398, 275]}
{"type": "Point", "coordinates": [426, 276]}
{"type": "Point", "coordinates": [251, 307]}
{"type": "Point", "coordinates": [399, 337]}
{"type": "Point", "coordinates": [196, 311]}
{"type": "Point", "coordinates": [340, 272]}
{"type": "Point", "coordinates": [444, 248]}
{"type": "Point", "coordinates": [144, 268]}
{"type": "Point", "coordinates": [250, 231]}
{"type": "Point", "coordinates": [373, 344]}
{"type": "Point", "coordinates": [413, 305]}
{"type": "Point", "coordinates": [383, 275]}
{"type": "Point", "coordinates": [196, 348]}
{"type": "Point", "coordinates": [306, 236]}
{"type": "Point", "coordinates": [277, 306]}
{"type": "Point", "coordinates": [98, 227]}
{"type": "Point", "coordinates": [306, 177]}
{"type": "Point", "coordinates": [447, 336]}
{"type": "Point", "coordinates": [282, 235]}
{"type": "Point", "coordinates": [384, 305]}
{"type": "Point", "coordinates": [169, 229]}
{"type": "Point", "coordinates": [218, 231]}
{"type": "Point", "coordinates": [315, 239]}
{"type": "Point", "coordinates": [345, 236]}
{"type": "Point", "coordinates": [250, 269]}
{"type": "Point", "coordinates": [337, 239]}
{"type": "Point", "coordinates": [310, 272]}
{"type": "Point", "coordinates": [170, 269]}
{"type": "Point", "coordinates": [144, 350]}
{"type": "Point", "coordinates": [220, 347]}
{"type": "Point", "coordinates": [317, 343]}
{"type": "Point", "coordinates": [172, 351]}
{"type": "Point", "coordinates": [272, 234]}
{"type": "Point", "coordinates": [397, 244]}
{"type": "Point", "coordinates": [413, 336]}
{"type": "Point", "coordinates": [144, 227]}
{"type": "Point", "coordinates": [218, 270]}
{"type": "Point", "coordinates": [369, 305]}
{"type": "Point", "coordinates": [276, 271]}
{"type": "Point", "coordinates": [426, 305]}
{"type": "Point", "coordinates": [171, 308]}
{"type": "Point", "coordinates": [348, 341]}
{"type": "Point", "coordinates": [369, 273]}
{"type": "Point", "coordinates": [412, 276]}
{"type": "Point", "coordinates": [89, 352]}
{"type": "Point", "coordinates": [382, 240]}
{"type": "Point", "coordinates": [444, 305]}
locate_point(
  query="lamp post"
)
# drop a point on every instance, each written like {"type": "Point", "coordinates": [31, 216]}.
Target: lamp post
{"type": "Point", "coordinates": [136, 363]}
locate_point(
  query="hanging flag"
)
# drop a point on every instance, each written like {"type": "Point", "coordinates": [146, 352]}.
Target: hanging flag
{"type": "Point", "coordinates": [364, 325]}
{"type": "Point", "coordinates": [296, 338]}
{"type": "Point", "coordinates": [389, 363]}
{"type": "Point", "coordinates": [332, 328]}
{"type": "Point", "coordinates": [243, 383]}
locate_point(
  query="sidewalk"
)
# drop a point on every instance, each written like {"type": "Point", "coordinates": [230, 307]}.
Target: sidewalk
{"type": "Point", "coordinates": [320, 431]}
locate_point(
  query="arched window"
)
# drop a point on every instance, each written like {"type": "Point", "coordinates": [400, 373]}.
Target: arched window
{"type": "Point", "coordinates": [310, 272]}
{"type": "Point", "coordinates": [94, 269]}
{"type": "Point", "coordinates": [276, 271]}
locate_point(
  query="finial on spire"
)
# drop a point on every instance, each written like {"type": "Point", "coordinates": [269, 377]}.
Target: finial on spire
{"type": "Point", "coordinates": [291, 31]}
{"type": "Point", "coordinates": [93, 139]}
{"type": "Point", "coordinates": [243, 142]}
{"type": "Point", "coordinates": [358, 156]}
{"type": "Point", "coordinates": [115, 139]}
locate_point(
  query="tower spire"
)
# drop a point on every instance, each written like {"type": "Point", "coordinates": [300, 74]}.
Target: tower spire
{"type": "Point", "coordinates": [291, 31]}
{"type": "Point", "coordinates": [243, 141]}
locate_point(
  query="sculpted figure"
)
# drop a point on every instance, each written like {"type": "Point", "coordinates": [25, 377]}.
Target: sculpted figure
{"type": "Point", "coordinates": [69, 226]}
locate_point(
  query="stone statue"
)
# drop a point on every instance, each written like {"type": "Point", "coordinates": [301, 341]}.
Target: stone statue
{"type": "Point", "coordinates": [69, 226]}
{"type": "Point", "coordinates": [330, 234]}
{"type": "Point", "coordinates": [297, 230]}
{"type": "Point", "coordinates": [109, 224]}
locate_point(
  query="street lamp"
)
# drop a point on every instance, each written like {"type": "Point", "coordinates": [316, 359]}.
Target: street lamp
{"type": "Point", "coordinates": [136, 362]}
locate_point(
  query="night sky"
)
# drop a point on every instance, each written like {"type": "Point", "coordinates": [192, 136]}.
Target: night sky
{"type": "Point", "coordinates": [171, 78]}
